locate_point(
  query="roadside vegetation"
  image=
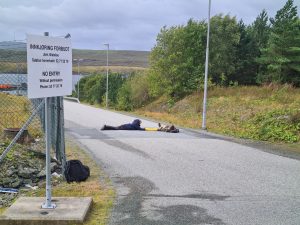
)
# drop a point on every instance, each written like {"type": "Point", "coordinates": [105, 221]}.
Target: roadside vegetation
{"type": "Point", "coordinates": [269, 113]}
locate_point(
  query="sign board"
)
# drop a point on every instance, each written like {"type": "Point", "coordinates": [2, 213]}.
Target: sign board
{"type": "Point", "coordinates": [49, 65]}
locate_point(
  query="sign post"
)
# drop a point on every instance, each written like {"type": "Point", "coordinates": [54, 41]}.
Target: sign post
{"type": "Point", "coordinates": [49, 65]}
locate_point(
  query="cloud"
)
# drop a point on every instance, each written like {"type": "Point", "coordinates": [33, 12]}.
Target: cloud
{"type": "Point", "coordinates": [130, 24]}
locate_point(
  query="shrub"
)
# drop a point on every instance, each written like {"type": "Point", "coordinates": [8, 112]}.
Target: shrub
{"type": "Point", "coordinates": [133, 93]}
{"type": "Point", "coordinates": [124, 97]}
{"type": "Point", "coordinates": [277, 125]}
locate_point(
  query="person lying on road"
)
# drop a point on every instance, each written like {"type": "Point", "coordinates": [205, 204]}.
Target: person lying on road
{"type": "Point", "coordinates": [135, 125]}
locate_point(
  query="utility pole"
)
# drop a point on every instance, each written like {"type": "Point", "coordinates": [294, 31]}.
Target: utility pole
{"type": "Point", "coordinates": [206, 71]}
{"type": "Point", "coordinates": [107, 74]}
{"type": "Point", "coordinates": [78, 61]}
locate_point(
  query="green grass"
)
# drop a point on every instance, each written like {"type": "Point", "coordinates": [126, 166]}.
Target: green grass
{"type": "Point", "coordinates": [14, 112]}
{"type": "Point", "coordinates": [2, 210]}
{"type": "Point", "coordinates": [268, 113]}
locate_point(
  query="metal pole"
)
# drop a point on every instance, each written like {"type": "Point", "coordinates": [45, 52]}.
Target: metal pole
{"type": "Point", "coordinates": [206, 71]}
{"type": "Point", "coordinates": [48, 204]}
{"type": "Point", "coordinates": [78, 80]}
{"type": "Point", "coordinates": [107, 74]}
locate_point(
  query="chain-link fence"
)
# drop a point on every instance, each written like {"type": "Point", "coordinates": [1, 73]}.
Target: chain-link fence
{"type": "Point", "coordinates": [17, 111]}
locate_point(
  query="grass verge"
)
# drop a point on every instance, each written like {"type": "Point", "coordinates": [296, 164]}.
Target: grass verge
{"type": "Point", "coordinates": [268, 113]}
{"type": "Point", "coordinates": [101, 191]}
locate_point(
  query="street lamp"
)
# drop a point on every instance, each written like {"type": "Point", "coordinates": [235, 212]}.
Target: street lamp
{"type": "Point", "coordinates": [78, 61]}
{"type": "Point", "coordinates": [206, 72]}
{"type": "Point", "coordinates": [107, 44]}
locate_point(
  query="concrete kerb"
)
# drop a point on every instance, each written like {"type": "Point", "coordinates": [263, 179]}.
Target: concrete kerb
{"type": "Point", "coordinates": [280, 150]}
{"type": "Point", "coordinates": [72, 99]}
{"type": "Point", "coordinates": [28, 211]}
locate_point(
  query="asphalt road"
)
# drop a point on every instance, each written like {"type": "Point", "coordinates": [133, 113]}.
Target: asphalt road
{"type": "Point", "coordinates": [186, 178]}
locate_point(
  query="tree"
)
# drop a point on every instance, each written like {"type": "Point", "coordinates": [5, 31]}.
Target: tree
{"type": "Point", "coordinates": [134, 92]}
{"type": "Point", "coordinates": [115, 81]}
{"type": "Point", "coordinates": [176, 61]}
{"type": "Point", "coordinates": [225, 37]}
{"type": "Point", "coordinates": [260, 31]}
{"type": "Point", "coordinates": [252, 39]}
{"type": "Point", "coordinates": [245, 70]}
{"type": "Point", "coordinates": [260, 34]}
{"type": "Point", "coordinates": [282, 54]}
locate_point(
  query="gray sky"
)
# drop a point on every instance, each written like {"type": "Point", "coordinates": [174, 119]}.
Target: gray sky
{"type": "Point", "coordinates": [125, 24]}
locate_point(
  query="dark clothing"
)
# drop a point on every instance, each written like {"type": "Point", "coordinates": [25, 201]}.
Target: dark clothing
{"type": "Point", "coordinates": [107, 127]}
{"type": "Point", "coordinates": [135, 125]}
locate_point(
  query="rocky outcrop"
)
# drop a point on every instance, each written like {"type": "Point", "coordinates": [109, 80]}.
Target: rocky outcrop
{"type": "Point", "coordinates": [6, 199]}
{"type": "Point", "coordinates": [16, 176]}
{"type": "Point", "coordinates": [23, 168]}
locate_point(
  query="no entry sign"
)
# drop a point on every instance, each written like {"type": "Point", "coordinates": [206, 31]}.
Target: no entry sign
{"type": "Point", "coordinates": [49, 65]}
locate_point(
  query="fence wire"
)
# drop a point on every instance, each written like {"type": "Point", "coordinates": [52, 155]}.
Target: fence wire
{"type": "Point", "coordinates": [16, 108]}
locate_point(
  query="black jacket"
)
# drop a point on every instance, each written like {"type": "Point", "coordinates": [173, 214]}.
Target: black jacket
{"type": "Point", "coordinates": [135, 125]}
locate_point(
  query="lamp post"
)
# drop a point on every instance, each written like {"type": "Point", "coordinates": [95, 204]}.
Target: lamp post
{"type": "Point", "coordinates": [78, 61]}
{"type": "Point", "coordinates": [206, 72]}
{"type": "Point", "coordinates": [107, 44]}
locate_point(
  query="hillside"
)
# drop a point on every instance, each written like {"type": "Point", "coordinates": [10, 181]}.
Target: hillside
{"type": "Point", "coordinates": [116, 58]}
{"type": "Point", "coordinates": [13, 45]}
{"type": "Point", "coordinates": [268, 113]}
{"type": "Point", "coordinates": [15, 52]}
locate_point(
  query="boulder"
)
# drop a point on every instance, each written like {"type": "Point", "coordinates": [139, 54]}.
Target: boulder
{"type": "Point", "coordinates": [5, 181]}
{"type": "Point", "coordinates": [53, 167]}
{"type": "Point", "coordinates": [27, 181]}
{"type": "Point", "coordinates": [10, 171]}
{"type": "Point", "coordinates": [16, 183]}
{"type": "Point", "coordinates": [42, 174]}
{"type": "Point", "coordinates": [27, 172]}
{"type": "Point", "coordinates": [6, 199]}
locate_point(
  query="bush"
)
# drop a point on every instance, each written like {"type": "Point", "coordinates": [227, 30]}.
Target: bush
{"type": "Point", "coordinates": [124, 97]}
{"type": "Point", "coordinates": [133, 93]}
{"type": "Point", "coordinates": [93, 88]}
{"type": "Point", "coordinates": [277, 125]}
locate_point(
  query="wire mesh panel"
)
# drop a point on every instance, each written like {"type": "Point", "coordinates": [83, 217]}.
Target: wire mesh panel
{"type": "Point", "coordinates": [16, 108]}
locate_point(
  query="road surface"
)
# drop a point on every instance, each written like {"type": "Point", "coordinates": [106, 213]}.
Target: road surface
{"type": "Point", "coordinates": [186, 178]}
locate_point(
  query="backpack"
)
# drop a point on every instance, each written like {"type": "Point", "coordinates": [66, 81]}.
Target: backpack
{"type": "Point", "coordinates": [76, 171]}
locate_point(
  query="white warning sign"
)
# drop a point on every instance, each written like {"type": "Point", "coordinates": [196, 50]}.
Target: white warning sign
{"type": "Point", "coordinates": [49, 65]}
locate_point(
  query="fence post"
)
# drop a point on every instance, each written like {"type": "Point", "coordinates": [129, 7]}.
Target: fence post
{"type": "Point", "coordinates": [48, 204]}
